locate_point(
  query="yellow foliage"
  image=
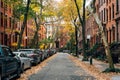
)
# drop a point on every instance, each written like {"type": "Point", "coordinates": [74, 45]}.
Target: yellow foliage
{"type": "Point", "coordinates": [21, 17]}
{"type": "Point", "coordinates": [15, 44]}
{"type": "Point", "coordinates": [42, 46]}
{"type": "Point", "coordinates": [36, 9]}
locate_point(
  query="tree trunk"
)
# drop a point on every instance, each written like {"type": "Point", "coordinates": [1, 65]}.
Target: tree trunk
{"type": "Point", "coordinates": [34, 43]}
{"type": "Point", "coordinates": [107, 50]}
{"type": "Point", "coordinates": [23, 25]}
{"type": "Point", "coordinates": [76, 38]}
{"type": "Point", "coordinates": [83, 22]}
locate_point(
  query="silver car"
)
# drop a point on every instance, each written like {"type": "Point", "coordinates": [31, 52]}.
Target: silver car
{"type": "Point", "coordinates": [25, 61]}
{"type": "Point", "coordinates": [33, 54]}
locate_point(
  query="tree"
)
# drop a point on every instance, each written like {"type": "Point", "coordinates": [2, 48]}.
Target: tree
{"type": "Point", "coordinates": [24, 23]}
{"type": "Point", "coordinates": [82, 20]}
{"type": "Point", "coordinates": [42, 11]}
{"type": "Point", "coordinates": [37, 11]}
{"type": "Point", "coordinates": [69, 12]}
{"type": "Point", "coordinates": [91, 9]}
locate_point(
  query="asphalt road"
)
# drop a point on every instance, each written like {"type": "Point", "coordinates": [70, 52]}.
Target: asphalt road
{"type": "Point", "coordinates": [61, 68]}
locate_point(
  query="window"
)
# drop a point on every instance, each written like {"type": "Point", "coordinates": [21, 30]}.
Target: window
{"type": "Point", "coordinates": [10, 8]}
{"type": "Point", "coordinates": [5, 24]}
{"type": "Point", "coordinates": [1, 3]}
{"type": "Point", "coordinates": [2, 38]}
{"type": "Point", "coordinates": [1, 21]}
{"type": "Point", "coordinates": [6, 6]}
{"type": "Point", "coordinates": [109, 13]}
{"type": "Point", "coordinates": [106, 1]}
{"type": "Point", "coordinates": [110, 36]}
{"type": "Point", "coordinates": [109, 1]}
{"type": "Point", "coordinates": [117, 6]}
{"type": "Point", "coordinates": [10, 21]}
{"type": "Point", "coordinates": [104, 15]}
{"type": "Point", "coordinates": [113, 11]}
{"type": "Point", "coordinates": [113, 33]}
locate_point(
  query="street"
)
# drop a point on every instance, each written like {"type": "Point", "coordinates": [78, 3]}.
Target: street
{"type": "Point", "coordinates": [61, 68]}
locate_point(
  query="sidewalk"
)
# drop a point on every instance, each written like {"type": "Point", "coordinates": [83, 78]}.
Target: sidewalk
{"type": "Point", "coordinates": [101, 66]}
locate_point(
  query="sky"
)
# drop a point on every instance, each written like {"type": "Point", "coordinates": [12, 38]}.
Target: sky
{"type": "Point", "coordinates": [58, 0]}
{"type": "Point", "coordinates": [87, 1]}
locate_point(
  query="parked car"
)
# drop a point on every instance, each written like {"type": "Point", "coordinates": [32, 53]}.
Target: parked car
{"type": "Point", "coordinates": [41, 54]}
{"type": "Point", "coordinates": [46, 55]}
{"type": "Point", "coordinates": [9, 64]}
{"type": "Point", "coordinates": [48, 51]}
{"type": "Point", "coordinates": [52, 51]}
{"type": "Point", "coordinates": [25, 61]}
{"type": "Point", "coordinates": [33, 54]}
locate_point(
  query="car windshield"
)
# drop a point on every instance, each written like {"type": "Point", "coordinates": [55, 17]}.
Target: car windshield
{"type": "Point", "coordinates": [27, 51]}
{"type": "Point", "coordinates": [15, 53]}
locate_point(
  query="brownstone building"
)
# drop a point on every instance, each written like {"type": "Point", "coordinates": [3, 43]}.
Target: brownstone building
{"type": "Point", "coordinates": [9, 31]}
{"type": "Point", "coordinates": [106, 10]}
{"type": "Point", "coordinates": [6, 24]}
{"type": "Point", "coordinates": [42, 32]}
{"type": "Point", "coordinates": [117, 18]}
{"type": "Point", "coordinates": [91, 31]}
{"type": "Point", "coordinates": [107, 16]}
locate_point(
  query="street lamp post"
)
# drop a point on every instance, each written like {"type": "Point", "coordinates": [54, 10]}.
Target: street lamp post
{"type": "Point", "coordinates": [88, 41]}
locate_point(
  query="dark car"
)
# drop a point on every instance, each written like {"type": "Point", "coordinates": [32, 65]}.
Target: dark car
{"type": "Point", "coordinates": [9, 64]}
{"type": "Point", "coordinates": [32, 54]}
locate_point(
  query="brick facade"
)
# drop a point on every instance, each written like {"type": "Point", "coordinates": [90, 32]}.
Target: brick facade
{"type": "Point", "coordinates": [5, 23]}
{"type": "Point", "coordinates": [108, 12]}
{"type": "Point", "coordinates": [42, 32]}
{"type": "Point", "coordinates": [91, 30]}
{"type": "Point", "coordinates": [117, 18]}
{"type": "Point", "coordinates": [106, 9]}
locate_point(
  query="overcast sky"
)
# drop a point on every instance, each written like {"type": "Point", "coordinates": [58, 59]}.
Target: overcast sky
{"type": "Point", "coordinates": [87, 1]}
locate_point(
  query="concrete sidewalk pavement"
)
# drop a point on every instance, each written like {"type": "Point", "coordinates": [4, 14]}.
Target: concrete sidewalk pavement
{"type": "Point", "coordinates": [101, 66]}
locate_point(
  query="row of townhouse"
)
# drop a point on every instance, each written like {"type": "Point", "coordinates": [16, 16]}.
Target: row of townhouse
{"type": "Point", "coordinates": [9, 31]}
{"type": "Point", "coordinates": [6, 24]}
{"type": "Point", "coordinates": [109, 14]}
